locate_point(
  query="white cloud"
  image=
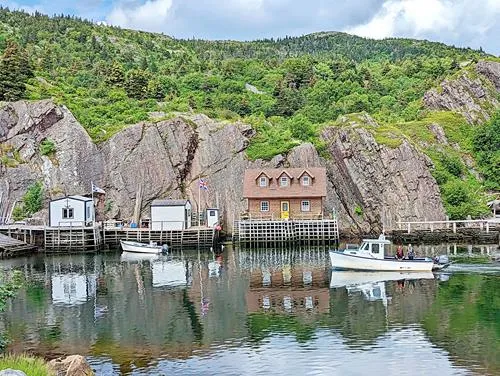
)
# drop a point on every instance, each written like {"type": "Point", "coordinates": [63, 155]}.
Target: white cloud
{"type": "Point", "coordinates": [150, 15]}
{"type": "Point", "coordinates": [445, 20]}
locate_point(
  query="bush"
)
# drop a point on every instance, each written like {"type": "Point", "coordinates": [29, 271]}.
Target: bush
{"type": "Point", "coordinates": [47, 147]}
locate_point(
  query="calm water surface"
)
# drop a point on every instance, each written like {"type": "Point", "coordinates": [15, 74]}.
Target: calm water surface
{"type": "Point", "coordinates": [251, 312]}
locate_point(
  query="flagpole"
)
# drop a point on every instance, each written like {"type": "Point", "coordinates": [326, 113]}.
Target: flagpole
{"type": "Point", "coordinates": [199, 201]}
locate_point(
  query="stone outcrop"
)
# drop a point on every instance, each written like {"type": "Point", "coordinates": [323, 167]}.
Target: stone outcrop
{"type": "Point", "coordinates": [73, 365]}
{"type": "Point", "coordinates": [165, 160]}
{"type": "Point", "coordinates": [372, 185]}
{"type": "Point", "coordinates": [473, 93]}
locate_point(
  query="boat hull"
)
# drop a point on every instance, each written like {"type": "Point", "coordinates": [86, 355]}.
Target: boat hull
{"type": "Point", "coordinates": [340, 260]}
{"type": "Point", "coordinates": [136, 247]}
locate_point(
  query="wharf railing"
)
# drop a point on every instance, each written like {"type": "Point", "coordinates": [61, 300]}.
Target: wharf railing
{"type": "Point", "coordinates": [451, 225]}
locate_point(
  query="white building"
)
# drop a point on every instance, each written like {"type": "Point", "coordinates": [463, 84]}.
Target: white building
{"type": "Point", "coordinates": [75, 211]}
{"type": "Point", "coordinates": [212, 217]}
{"type": "Point", "coordinates": [170, 214]}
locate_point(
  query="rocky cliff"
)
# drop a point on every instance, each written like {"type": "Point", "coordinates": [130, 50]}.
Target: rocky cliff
{"type": "Point", "coordinates": [472, 93]}
{"type": "Point", "coordinates": [166, 159]}
{"type": "Point", "coordinates": [370, 185]}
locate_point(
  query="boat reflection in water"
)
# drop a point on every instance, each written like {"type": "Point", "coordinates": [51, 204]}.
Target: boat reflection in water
{"type": "Point", "coordinates": [164, 270]}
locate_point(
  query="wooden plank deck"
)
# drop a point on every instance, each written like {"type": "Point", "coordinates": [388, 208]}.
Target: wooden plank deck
{"type": "Point", "coordinates": [10, 247]}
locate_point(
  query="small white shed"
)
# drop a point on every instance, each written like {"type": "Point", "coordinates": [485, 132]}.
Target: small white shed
{"type": "Point", "coordinates": [212, 217]}
{"type": "Point", "coordinates": [75, 211]}
{"type": "Point", "coordinates": [170, 214]}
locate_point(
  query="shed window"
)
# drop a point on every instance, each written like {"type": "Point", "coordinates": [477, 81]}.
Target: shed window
{"type": "Point", "coordinates": [306, 180]}
{"type": "Point", "coordinates": [67, 213]}
{"type": "Point", "coordinates": [263, 181]}
{"type": "Point", "coordinates": [305, 206]}
{"type": "Point", "coordinates": [284, 181]}
{"type": "Point", "coordinates": [264, 206]}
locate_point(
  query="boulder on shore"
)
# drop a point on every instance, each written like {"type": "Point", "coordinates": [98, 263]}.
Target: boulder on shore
{"type": "Point", "coordinates": [73, 365]}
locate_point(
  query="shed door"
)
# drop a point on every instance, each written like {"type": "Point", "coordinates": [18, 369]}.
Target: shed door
{"type": "Point", "coordinates": [285, 209]}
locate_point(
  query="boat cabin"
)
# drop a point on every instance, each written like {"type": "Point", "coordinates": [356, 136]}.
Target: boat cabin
{"type": "Point", "coordinates": [374, 248]}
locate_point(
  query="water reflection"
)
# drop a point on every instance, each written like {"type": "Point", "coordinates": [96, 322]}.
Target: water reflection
{"type": "Point", "coordinates": [237, 312]}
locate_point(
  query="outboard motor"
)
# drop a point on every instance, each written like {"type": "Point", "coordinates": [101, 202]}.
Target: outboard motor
{"type": "Point", "coordinates": [441, 259]}
{"type": "Point", "coordinates": [164, 248]}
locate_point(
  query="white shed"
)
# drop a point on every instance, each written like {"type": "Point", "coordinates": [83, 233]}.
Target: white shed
{"type": "Point", "coordinates": [71, 211]}
{"type": "Point", "coordinates": [170, 214]}
{"type": "Point", "coordinates": [212, 217]}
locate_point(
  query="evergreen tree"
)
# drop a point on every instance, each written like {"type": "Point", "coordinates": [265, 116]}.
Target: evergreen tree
{"type": "Point", "coordinates": [15, 70]}
{"type": "Point", "coordinates": [136, 84]}
{"type": "Point", "coordinates": [116, 75]}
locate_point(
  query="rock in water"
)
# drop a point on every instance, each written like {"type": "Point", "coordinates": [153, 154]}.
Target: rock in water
{"type": "Point", "coordinates": [73, 365]}
{"type": "Point", "coordinates": [12, 372]}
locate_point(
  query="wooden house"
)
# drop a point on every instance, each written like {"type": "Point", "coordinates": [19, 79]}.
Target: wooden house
{"type": "Point", "coordinates": [170, 214]}
{"type": "Point", "coordinates": [75, 211]}
{"type": "Point", "coordinates": [283, 193]}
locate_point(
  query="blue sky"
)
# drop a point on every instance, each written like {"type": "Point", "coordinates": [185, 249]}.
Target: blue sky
{"type": "Point", "coordinates": [456, 22]}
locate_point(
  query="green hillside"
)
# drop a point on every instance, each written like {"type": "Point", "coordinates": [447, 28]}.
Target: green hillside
{"type": "Point", "coordinates": [287, 88]}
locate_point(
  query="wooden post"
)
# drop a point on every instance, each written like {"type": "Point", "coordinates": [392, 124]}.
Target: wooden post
{"type": "Point", "coordinates": [409, 227]}
{"type": "Point", "coordinates": [454, 227]}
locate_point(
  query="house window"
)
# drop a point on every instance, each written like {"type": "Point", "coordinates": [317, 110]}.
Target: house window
{"type": "Point", "coordinates": [306, 180]}
{"type": "Point", "coordinates": [305, 206]}
{"type": "Point", "coordinates": [263, 181]}
{"type": "Point", "coordinates": [264, 206]}
{"type": "Point", "coordinates": [67, 213]}
{"type": "Point", "coordinates": [284, 181]}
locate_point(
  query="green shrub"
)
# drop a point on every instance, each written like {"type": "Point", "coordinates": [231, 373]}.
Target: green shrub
{"type": "Point", "coordinates": [47, 147]}
{"type": "Point", "coordinates": [358, 210]}
{"type": "Point", "coordinates": [29, 365]}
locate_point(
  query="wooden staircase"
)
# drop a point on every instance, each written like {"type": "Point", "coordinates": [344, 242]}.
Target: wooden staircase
{"type": "Point", "coordinates": [10, 247]}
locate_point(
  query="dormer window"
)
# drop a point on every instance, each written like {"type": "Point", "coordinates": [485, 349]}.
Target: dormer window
{"type": "Point", "coordinates": [263, 181]}
{"type": "Point", "coordinates": [284, 181]}
{"type": "Point", "coordinates": [306, 180]}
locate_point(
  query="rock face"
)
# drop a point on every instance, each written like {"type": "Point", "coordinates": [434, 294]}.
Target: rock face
{"type": "Point", "coordinates": [369, 185]}
{"type": "Point", "coordinates": [470, 94]}
{"type": "Point", "coordinates": [73, 365]}
{"type": "Point", "coordinates": [374, 186]}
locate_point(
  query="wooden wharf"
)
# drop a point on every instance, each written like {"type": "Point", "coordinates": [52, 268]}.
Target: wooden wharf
{"type": "Point", "coordinates": [10, 247]}
{"type": "Point", "coordinates": [266, 233]}
{"type": "Point", "coordinates": [485, 231]}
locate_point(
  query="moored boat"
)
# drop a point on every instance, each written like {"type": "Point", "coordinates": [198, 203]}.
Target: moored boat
{"type": "Point", "coordinates": [370, 256]}
{"type": "Point", "coordinates": [131, 246]}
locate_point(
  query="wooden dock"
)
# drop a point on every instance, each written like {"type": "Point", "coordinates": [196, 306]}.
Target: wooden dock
{"type": "Point", "coordinates": [10, 247]}
{"type": "Point", "coordinates": [199, 236]}
{"type": "Point", "coordinates": [266, 233]}
{"type": "Point", "coordinates": [485, 231]}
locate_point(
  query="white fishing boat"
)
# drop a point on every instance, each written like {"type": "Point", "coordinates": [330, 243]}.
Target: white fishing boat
{"type": "Point", "coordinates": [370, 256]}
{"type": "Point", "coordinates": [152, 247]}
{"type": "Point", "coordinates": [349, 278]}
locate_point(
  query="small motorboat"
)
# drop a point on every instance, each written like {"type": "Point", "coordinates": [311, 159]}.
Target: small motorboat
{"type": "Point", "coordinates": [369, 256]}
{"type": "Point", "coordinates": [152, 247]}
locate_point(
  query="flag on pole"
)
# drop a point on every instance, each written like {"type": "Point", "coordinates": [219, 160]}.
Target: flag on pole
{"type": "Point", "coordinates": [96, 189]}
{"type": "Point", "coordinates": [203, 184]}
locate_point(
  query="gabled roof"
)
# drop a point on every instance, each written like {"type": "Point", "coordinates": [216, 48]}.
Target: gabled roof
{"type": "Point", "coordinates": [73, 197]}
{"type": "Point", "coordinates": [284, 172]}
{"type": "Point", "coordinates": [262, 172]}
{"type": "Point", "coordinates": [306, 171]}
{"type": "Point", "coordinates": [169, 202]}
{"type": "Point", "coordinates": [274, 190]}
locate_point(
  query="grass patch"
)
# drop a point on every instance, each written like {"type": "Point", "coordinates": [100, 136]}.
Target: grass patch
{"type": "Point", "coordinates": [29, 365]}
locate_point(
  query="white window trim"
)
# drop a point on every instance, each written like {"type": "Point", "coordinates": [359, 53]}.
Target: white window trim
{"type": "Point", "coordinates": [302, 206]}
{"type": "Point", "coordinates": [306, 178]}
{"type": "Point", "coordinates": [262, 181]}
{"type": "Point", "coordinates": [262, 206]}
{"type": "Point", "coordinates": [284, 179]}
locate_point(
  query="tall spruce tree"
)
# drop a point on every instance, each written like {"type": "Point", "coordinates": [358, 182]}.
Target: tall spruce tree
{"type": "Point", "coordinates": [15, 70]}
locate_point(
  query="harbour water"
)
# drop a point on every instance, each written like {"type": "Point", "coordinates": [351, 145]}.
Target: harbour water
{"type": "Point", "coordinates": [250, 312]}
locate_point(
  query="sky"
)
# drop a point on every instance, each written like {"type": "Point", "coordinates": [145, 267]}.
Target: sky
{"type": "Point", "coordinates": [463, 23]}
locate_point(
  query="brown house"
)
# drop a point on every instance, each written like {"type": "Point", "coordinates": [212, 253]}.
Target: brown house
{"type": "Point", "coordinates": [282, 193]}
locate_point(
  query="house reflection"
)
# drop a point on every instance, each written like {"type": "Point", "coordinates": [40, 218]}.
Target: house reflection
{"type": "Point", "coordinates": [72, 288]}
